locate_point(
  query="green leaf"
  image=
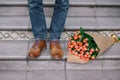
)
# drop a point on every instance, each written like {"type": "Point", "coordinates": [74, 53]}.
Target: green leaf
{"type": "Point", "coordinates": [81, 30]}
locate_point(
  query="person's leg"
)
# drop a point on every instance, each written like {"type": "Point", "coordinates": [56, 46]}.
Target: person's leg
{"type": "Point", "coordinates": [38, 27]}
{"type": "Point", "coordinates": [56, 28]}
{"type": "Point", "coordinates": [58, 19]}
{"type": "Point", "coordinates": [37, 17]}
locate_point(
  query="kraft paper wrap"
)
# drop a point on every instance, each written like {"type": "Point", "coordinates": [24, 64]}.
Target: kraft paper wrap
{"type": "Point", "coordinates": [103, 43]}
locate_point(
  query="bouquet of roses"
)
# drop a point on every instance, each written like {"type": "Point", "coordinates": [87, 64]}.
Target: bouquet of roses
{"type": "Point", "coordinates": [83, 47]}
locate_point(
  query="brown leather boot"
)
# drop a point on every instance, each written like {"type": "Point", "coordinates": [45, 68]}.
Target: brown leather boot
{"type": "Point", "coordinates": [36, 49]}
{"type": "Point", "coordinates": [56, 50]}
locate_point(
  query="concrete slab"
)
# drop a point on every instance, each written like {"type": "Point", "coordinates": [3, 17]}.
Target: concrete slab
{"type": "Point", "coordinates": [16, 35]}
{"type": "Point", "coordinates": [85, 75]}
{"type": "Point", "coordinates": [112, 74]}
{"type": "Point", "coordinates": [46, 65]}
{"type": "Point", "coordinates": [14, 11]}
{"type": "Point", "coordinates": [111, 65]}
{"type": "Point", "coordinates": [85, 22]}
{"type": "Point", "coordinates": [73, 11]}
{"type": "Point", "coordinates": [107, 11]}
{"type": "Point", "coordinates": [89, 23]}
{"type": "Point", "coordinates": [93, 65]}
{"type": "Point", "coordinates": [109, 22]}
{"type": "Point", "coordinates": [13, 49]}
{"type": "Point", "coordinates": [12, 65]}
{"type": "Point", "coordinates": [93, 75]}
{"type": "Point", "coordinates": [13, 75]}
{"type": "Point", "coordinates": [52, 1]}
{"type": "Point", "coordinates": [14, 22]}
{"type": "Point", "coordinates": [108, 2]}
{"type": "Point", "coordinates": [113, 51]}
{"type": "Point", "coordinates": [46, 75]}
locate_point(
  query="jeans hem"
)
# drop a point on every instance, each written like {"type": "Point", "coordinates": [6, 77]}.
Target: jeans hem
{"type": "Point", "coordinates": [40, 39]}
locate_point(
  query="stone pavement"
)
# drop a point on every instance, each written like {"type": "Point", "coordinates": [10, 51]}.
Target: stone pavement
{"type": "Point", "coordinates": [15, 66]}
{"type": "Point", "coordinates": [59, 70]}
{"type": "Point", "coordinates": [100, 16]}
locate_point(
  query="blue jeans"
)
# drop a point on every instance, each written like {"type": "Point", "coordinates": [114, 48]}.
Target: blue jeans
{"type": "Point", "coordinates": [38, 21]}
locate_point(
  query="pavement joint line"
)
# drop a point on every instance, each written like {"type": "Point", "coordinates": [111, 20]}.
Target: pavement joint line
{"type": "Point", "coordinates": [65, 70]}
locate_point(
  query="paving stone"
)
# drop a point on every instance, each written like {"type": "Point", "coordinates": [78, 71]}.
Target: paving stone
{"type": "Point", "coordinates": [85, 75]}
{"type": "Point", "coordinates": [14, 11]}
{"type": "Point", "coordinates": [52, 1]}
{"type": "Point", "coordinates": [12, 75]}
{"type": "Point", "coordinates": [113, 51]}
{"type": "Point", "coordinates": [112, 74]}
{"type": "Point", "coordinates": [23, 1]}
{"type": "Point", "coordinates": [109, 22]}
{"type": "Point", "coordinates": [46, 65]}
{"type": "Point", "coordinates": [16, 35]}
{"type": "Point", "coordinates": [13, 65]}
{"type": "Point", "coordinates": [92, 65]}
{"type": "Point", "coordinates": [48, 1]}
{"type": "Point", "coordinates": [48, 22]}
{"type": "Point", "coordinates": [28, 35]}
{"type": "Point", "coordinates": [92, 2]}
{"type": "Point", "coordinates": [93, 75]}
{"type": "Point", "coordinates": [73, 11]}
{"type": "Point", "coordinates": [77, 22]}
{"type": "Point", "coordinates": [73, 2]}
{"type": "Point", "coordinates": [108, 2]}
{"type": "Point", "coordinates": [45, 75]}
{"type": "Point", "coordinates": [111, 64]}
{"type": "Point", "coordinates": [95, 65]}
{"type": "Point", "coordinates": [90, 23]}
{"type": "Point", "coordinates": [13, 0]}
{"type": "Point", "coordinates": [107, 11]}
{"type": "Point", "coordinates": [81, 11]}
{"type": "Point", "coordinates": [14, 22]}
{"type": "Point", "coordinates": [21, 51]}
{"type": "Point", "coordinates": [13, 49]}
{"type": "Point", "coordinates": [85, 22]}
